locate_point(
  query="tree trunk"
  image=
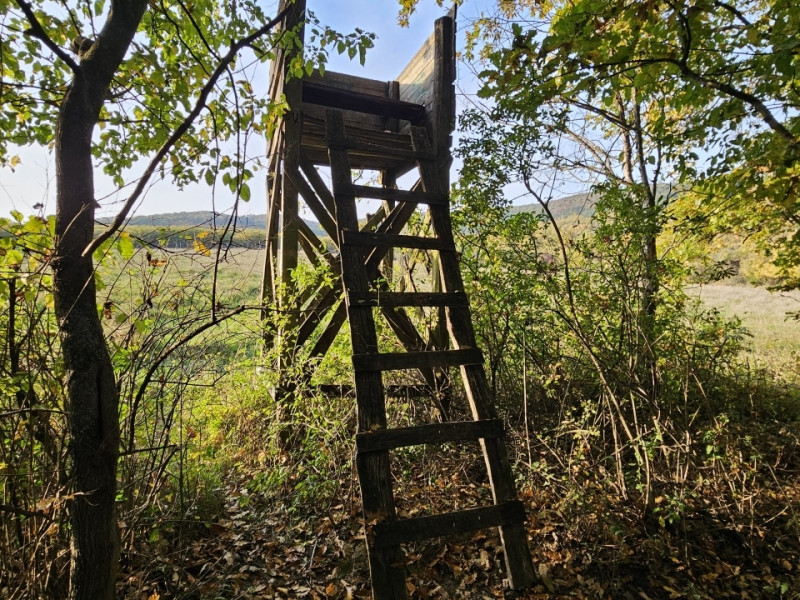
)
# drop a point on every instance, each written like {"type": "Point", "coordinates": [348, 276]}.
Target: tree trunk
{"type": "Point", "coordinates": [92, 400]}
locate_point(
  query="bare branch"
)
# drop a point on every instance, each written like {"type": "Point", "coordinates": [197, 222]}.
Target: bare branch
{"type": "Point", "coordinates": [24, 513]}
{"type": "Point", "coordinates": [165, 354]}
{"type": "Point", "coordinates": [39, 33]}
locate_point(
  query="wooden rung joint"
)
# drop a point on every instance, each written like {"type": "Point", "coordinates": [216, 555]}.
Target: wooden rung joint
{"type": "Point", "coordinates": [395, 299]}
{"type": "Point", "coordinates": [384, 240]}
{"type": "Point", "coordinates": [356, 145]}
{"type": "Point", "coordinates": [431, 199]}
{"type": "Point", "coordinates": [433, 433]}
{"type": "Point", "coordinates": [398, 361]}
{"type": "Point", "coordinates": [333, 97]}
{"type": "Point", "coordinates": [403, 531]}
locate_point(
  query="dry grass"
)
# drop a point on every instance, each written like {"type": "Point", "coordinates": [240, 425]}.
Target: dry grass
{"type": "Point", "coordinates": [766, 315]}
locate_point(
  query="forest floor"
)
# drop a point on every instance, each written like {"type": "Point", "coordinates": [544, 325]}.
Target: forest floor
{"type": "Point", "coordinates": [739, 542]}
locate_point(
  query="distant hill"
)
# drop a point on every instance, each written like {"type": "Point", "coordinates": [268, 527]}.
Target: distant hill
{"type": "Point", "coordinates": [582, 205]}
{"type": "Point", "coordinates": [577, 204]}
{"type": "Point", "coordinates": [204, 219]}
{"type": "Point", "coordinates": [574, 205]}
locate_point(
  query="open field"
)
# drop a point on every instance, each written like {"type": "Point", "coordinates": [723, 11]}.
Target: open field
{"type": "Point", "coordinates": [766, 315]}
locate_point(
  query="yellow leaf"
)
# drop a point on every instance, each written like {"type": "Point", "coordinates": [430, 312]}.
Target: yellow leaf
{"type": "Point", "coordinates": [201, 248]}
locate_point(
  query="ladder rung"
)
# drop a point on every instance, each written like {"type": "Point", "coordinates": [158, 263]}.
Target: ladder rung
{"type": "Point", "coordinates": [369, 238]}
{"type": "Point", "coordinates": [396, 361]}
{"type": "Point", "coordinates": [434, 433]}
{"type": "Point", "coordinates": [365, 191]}
{"type": "Point", "coordinates": [407, 299]}
{"type": "Point", "coordinates": [402, 531]}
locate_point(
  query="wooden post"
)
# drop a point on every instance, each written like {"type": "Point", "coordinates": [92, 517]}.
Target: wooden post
{"type": "Point", "coordinates": [283, 210]}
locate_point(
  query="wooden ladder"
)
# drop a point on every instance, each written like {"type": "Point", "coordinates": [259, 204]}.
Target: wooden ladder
{"type": "Point", "coordinates": [360, 252]}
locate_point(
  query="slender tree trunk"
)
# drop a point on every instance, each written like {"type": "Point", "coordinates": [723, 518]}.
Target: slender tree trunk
{"type": "Point", "coordinates": [92, 400]}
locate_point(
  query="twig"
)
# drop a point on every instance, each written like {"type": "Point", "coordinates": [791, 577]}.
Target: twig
{"type": "Point", "coordinates": [24, 513]}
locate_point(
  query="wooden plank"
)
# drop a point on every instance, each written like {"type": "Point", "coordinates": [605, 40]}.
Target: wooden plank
{"type": "Point", "coordinates": [328, 336]}
{"type": "Point", "coordinates": [380, 298]}
{"type": "Point", "coordinates": [443, 110]}
{"type": "Point", "coordinates": [392, 91]}
{"type": "Point", "coordinates": [388, 141]}
{"type": "Point", "coordinates": [323, 193]}
{"type": "Point", "coordinates": [313, 245]}
{"type": "Point", "coordinates": [324, 218]}
{"type": "Point", "coordinates": [352, 83]}
{"type": "Point", "coordinates": [433, 433]}
{"type": "Point", "coordinates": [409, 337]}
{"type": "Point", "coordinates": [326, 95]}
{"type": "Point", "coordinates": [316, 314]}
{"type": "Point", "coordinates": [395, 222]}
{"type": "Point", "coordinates": [386, 240]}
{"type": "Point", "coordinates": [393, 151]}
{"type": "Point", "coordinates": [365, 121]}
{"type": "Point", "coordinates": [290, 150]}
{"type": "Point", "coordinates": [415, 79]}
{"type": "Point", "coordinates": [378, 149]}
{"type": "Point", "coordinates": [424, 528]}
{"type": "Point", "coordinates": [365, 160]}
{"type": "Point", "coordinates": [388, 181]}
{"type": "Point", "coordinates": [288, 232]}
{"type": "Point", "coordinates": [397, 361]}
{"type": "Point", "coordinates": [346, 81]}
{"type": "Point", "coordinates": [268, 281]}
{"type": "Point", "coordinates": [374, 220]}
{"type": "Point", "coordinates": [312, 254]}
{"type": "Point", "coordinates": [364, 191]}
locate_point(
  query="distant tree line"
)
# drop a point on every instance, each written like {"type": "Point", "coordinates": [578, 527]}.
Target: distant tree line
{"type": "Point", "coordinates": [185, 237]}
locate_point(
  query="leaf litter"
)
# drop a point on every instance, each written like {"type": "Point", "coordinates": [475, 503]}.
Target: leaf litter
{"type": "Point", "coordinates": [586, 543]}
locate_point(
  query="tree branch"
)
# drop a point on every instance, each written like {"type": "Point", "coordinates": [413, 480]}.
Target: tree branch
{"type": "Point", "coordinates": [734, 11]}
{"type": "Point", "coordinates": [181, 130]}
{"type": "Point", "coordinates": [749, 99]}
{"type": "Point", "coordinates": [755, 103]}
{"type": "Point", "coordinates": [39, 33]}
{"type": "Point", "coordinates": [165, 354]}
{"type": "Point", "coordinates": [24, 513]}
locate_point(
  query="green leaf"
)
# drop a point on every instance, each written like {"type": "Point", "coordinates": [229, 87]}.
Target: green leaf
{"type": "Point", "coordinates": [125, 245]}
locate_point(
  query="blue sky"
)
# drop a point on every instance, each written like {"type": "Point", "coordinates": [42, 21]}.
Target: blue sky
{"type": "Point", "coordinates": [32, 182]}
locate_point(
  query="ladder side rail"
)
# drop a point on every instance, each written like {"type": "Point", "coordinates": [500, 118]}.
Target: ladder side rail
{"type": "Point", "coordinates": [388, 573]}
{"type": "Point", "coordinates": [519, 563]}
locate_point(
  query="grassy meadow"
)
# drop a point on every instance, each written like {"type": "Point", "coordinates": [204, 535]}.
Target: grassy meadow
{"type": "Point", "coordinates": [767, 316]}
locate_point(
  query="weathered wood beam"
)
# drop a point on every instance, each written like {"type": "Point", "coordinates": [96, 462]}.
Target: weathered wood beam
{"type": "Point", "coordinates": [318, 93]}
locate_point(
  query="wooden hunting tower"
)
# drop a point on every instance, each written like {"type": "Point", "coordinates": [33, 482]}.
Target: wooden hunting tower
{"type": "Point", "coordinates": [398, 267]}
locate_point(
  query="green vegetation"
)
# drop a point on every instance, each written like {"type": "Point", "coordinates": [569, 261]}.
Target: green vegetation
{"type": "Point", "coordinates": [768, 317]}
